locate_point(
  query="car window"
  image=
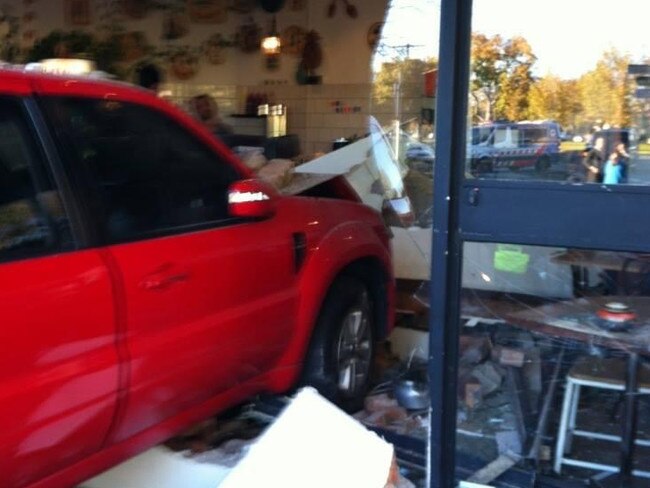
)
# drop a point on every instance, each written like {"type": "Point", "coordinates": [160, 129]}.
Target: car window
{"type": "Point", "coordinates": [32, 218]}
{"type": "Point", "coordinates": [506, 137]}
{"type": "Point", "coordinates": [148, 174]}
{"type": "Point", "coordinates": [535, 135]}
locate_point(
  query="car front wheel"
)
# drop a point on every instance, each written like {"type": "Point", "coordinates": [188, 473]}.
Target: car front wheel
{"type": "Point", "coordinates": [340, 357]}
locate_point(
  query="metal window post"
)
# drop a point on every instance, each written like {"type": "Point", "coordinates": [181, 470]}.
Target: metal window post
{"type": "Point", "coordinates": [451, 110]}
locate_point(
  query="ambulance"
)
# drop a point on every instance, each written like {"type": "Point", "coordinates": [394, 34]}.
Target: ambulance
{"type": "Point", "coordinates": [514, 146]}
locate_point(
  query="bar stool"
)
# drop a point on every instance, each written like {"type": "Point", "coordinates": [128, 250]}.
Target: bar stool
{"type": "Point", "coordinates": [608, 374]}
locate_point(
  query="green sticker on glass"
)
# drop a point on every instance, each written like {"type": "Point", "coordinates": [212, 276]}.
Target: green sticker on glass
{"type": "Point", "coordinates": [510, 259]}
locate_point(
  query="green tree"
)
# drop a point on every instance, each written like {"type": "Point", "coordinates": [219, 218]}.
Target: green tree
{"type": "Point", "coordinates": [409, 73]}
{"type": "Point", "coordinates": [516, 80]}
{"type": "Point", "coordinates": [501, 76]}
{"type": "Point", "coordinates": [552, 98]}
{"type": "Point", "coordinates": [486, 74]}
{"type": "Point", "coordinates": [606, 92]}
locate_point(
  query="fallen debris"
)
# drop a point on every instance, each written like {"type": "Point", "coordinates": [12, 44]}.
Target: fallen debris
{"type": "Point", "coordinates": [488, 376]}
{"type": "Point", "coordinates": [507, 356]}
{"type": "Point", "coordinates": [494, 469]}
{"type": "Point", "coordinates": [315, 444]}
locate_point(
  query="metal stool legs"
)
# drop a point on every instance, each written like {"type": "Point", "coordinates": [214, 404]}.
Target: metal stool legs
{"type": "Point", "coordinates": [569, 410]}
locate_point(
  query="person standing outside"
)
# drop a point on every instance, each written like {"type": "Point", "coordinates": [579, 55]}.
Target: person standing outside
{"type": "Point", "coordinates": [623, 161]}
{"type": "Point", "coordinates": [593, 161]}
{"type": "Point", "coordinates": [613, 170]}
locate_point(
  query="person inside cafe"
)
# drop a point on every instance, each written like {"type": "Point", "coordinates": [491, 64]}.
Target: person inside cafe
{"type": "Point", "coordinates": [207, 111]}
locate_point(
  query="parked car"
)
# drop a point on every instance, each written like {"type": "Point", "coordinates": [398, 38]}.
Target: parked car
{"type": "Point", "coordinates": [420, 157]}
{"type": "Point", "coordinates": [147, 282]}
{"type": "Point", "coordinates": [514, 146]}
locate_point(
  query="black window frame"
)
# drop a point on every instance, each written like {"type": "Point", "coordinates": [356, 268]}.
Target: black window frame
{"type": "Point", "coordinates": [545, 213]}
{"type": "Point", "coordinates": [42, 170]}
{"type": "Point", "coordinates": [97, 235]}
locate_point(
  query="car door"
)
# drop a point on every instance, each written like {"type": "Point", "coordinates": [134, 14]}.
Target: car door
{"type": "Point", "coordinates": [58, 367]}
{"type": "Point", "coordinates": [209, 298]}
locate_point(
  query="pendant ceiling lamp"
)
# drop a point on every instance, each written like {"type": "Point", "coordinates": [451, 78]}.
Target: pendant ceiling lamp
{"type": "Point", "coordinates": [271, 43]}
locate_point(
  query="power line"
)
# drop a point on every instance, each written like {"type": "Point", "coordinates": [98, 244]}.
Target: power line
{"type": "Point", "coordinates": [402, 50]}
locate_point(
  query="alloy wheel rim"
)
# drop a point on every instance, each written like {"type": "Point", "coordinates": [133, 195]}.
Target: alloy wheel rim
{"type": "Point", "coordinates": [354, 350]}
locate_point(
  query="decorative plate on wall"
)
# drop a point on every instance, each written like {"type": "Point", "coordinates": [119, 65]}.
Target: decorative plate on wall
{"type": "Point", "coordinates": [298, 5]}
{"type": "Point", "coordinates": [243, 6]}
{"type": "Point", "coordinates": [213, 49]}
{"type": "Point", "coordinates": [208, 11]}
{"type": "Point", "coordinates": [175, 25]}
{"type": "Point", "coordinates": [183, 64]}
{"type": "Point", "coordinates": [77, 12]}
{"type": "Point", "coordinates": [293, 40]}
{"type": "Point", "coordinates": [136, 9]}
{"type": "Point", "coordinates": [374, 34]}
{"type": "Point", "coordinates": [132, 45]}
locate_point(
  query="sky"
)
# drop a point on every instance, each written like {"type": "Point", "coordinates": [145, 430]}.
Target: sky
{"type": "Point", "coordinates": [567, 36]}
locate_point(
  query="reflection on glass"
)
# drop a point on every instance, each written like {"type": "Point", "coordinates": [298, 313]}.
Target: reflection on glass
{"type": "Point", "coordinates": [548, 339]}
{"type": "Point", "coordinates": [543, 108]}
{"type": "Point", "coordinates": [391, 169]}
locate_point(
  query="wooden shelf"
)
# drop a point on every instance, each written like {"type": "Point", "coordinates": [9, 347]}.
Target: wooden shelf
{"type": "Point", "coordinates": [247, 116]}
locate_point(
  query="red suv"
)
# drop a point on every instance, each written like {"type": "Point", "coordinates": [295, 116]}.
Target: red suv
{"type": "Point", "coordinates": [146, 281]}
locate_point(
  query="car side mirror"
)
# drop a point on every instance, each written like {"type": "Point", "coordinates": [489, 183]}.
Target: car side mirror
{"type": "Point", "coordinates": [252, 199]}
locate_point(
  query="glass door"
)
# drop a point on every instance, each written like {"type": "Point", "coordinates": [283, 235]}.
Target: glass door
{"type": "Point", "coordinates": [540, 338]}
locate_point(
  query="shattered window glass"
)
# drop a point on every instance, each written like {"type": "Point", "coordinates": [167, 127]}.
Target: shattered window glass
{"type": "Point", "coordinates": [547, 341]}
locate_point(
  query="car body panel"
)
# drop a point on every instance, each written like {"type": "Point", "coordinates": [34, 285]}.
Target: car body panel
{"type": "Point", "coordinates": [114, 348]}
{"type": "Point", "coordinates": [338, 236]}
{"type": "Point", "coordinates": [223, 318]}
{"type": "Point", "coordinates": [59, 368]}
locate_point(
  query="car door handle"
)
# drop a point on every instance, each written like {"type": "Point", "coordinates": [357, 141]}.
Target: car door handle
{"type": "Point", "coordinates": [162, 280]}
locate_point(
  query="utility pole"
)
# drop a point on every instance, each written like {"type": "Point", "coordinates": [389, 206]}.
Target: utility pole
{"type": "Point", "coordinates": [397, 96]}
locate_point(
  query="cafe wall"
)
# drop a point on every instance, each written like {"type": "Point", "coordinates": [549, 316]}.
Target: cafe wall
{"type": "Point", "coordinates": [200, 51]}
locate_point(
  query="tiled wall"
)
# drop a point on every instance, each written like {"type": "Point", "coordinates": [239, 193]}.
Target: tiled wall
{"type": "Point", "coordinates": [318, 114]}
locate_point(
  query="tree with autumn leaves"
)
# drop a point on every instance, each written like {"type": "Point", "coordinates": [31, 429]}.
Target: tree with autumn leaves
{"type": "Point", "coordinates": [501, 77]}
{"type": "Point", "coordinates": [502, 86]}
{"type": "Point", "coordinates": [408, 73]}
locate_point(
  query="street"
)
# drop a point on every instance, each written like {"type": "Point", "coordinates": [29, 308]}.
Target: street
{"type": "Point", "coordinates": [563, 170]}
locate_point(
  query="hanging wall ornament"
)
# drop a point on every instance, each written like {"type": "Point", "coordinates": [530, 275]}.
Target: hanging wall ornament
{"type": "Point", "coordinates": [77, 12]}
{"type": "Point", "coordinates": [9, 24]}
{"type": "Point", "coordinates": [133, 46]}
{"type": "Point", "coordinates": [374, 34]}
{"type": "Point", "coordinates": [175, 25]}
{"type": "Point", "coordinates": [349, 9]}
{"type": "Point", "coordinates": [135, 9]}
{"type": "Point", "coordinates": [243, 6]}
{"type": "Point", "coordinates": [271, 6]}
{"type": "Point", "coordinates": [213, 49]}
{"type": "Point", "coordinates": [249, 37]}
{"type": "Point", "coordinates": [183, 64]}
{"type": "Point", "coordinates": [208, 11]}
{"type": "Point", "coordinates": [293, 40]}
{"type": "Point", "coordinates": [312, 54]}
{"type": "Point", "coordinates": [298, 5]}
{"type": "Point", "coordinates": [28, 26]}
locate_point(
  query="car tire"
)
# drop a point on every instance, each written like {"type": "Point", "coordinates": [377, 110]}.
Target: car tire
{"type": "Point", "coordinates": [485, 165]}
{"type": "Point", "coordinates": [543, 164]}
{"type": "Point", "coordinates": [341, 353]}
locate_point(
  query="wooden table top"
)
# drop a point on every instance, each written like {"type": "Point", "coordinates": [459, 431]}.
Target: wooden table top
{"type": "Point", "coordinates": [577, 319]}
{"type": "Point", "coordinates": [610, 260]}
